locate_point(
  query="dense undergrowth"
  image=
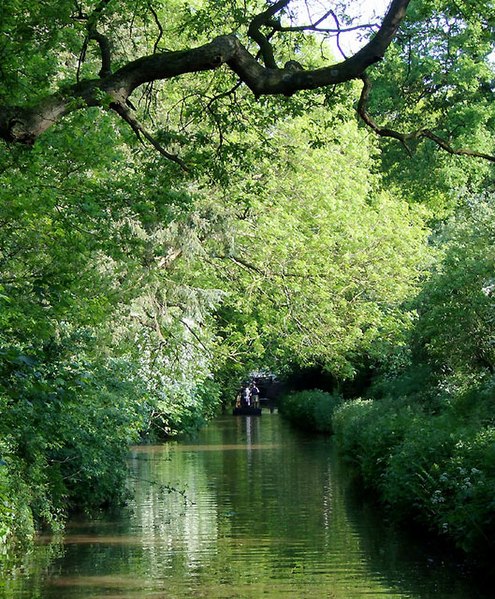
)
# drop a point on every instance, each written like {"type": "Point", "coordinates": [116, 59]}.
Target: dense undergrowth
{"type": "Point", "coordinates": [310, 409]}
{"type": "Point", "coordinates": [436, 468]}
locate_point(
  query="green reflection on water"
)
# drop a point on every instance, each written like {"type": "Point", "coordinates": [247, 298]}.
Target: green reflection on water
{"type": "Point", "coordinates": [263, 512]}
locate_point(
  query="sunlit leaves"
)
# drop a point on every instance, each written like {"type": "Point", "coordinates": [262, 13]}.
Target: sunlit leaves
{"type": "Point", "coordinates": [455, 328]}
{"type": "Point", "coordinates": [327, 257]}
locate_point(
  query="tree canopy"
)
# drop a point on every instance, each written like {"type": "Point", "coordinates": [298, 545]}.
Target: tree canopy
{"type": "Point", "coordinates": [115, 83]}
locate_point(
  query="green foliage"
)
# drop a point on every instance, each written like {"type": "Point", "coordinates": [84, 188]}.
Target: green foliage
{"type": "Point", "coordinates": [456, 306]}
{"type": "Point", "coordinates": [438, 76]}
{"type": "Point", "coordinates": [68, 427]}
{"type": "Point", "coordinates": [6, 508]}
{"type": "Point", "coordinates": [311, 410]}
{"type": "Point", "coordinates": [436, 470]}
{"type": "Point", "coordinates": [326, 256]}
{"type": "Point", "coordinates": [368, 432]}
{"type": "Point", "coordinates": [135, 296]}
{"type": "Point", "coordinates": [87, 241]}
{"type": "Point", "coordinates": [443, 476]}
{"type": "Point", "coordinates": [37, 36]}
{"type": "Point", "coordinates": [427, 445]}
{"type": "Point", "coordinates": [413, 467]}
{"type": "Point", "coordinates": [467, 485]}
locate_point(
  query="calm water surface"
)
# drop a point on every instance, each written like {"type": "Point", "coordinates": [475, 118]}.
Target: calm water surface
{"type": "Point", "coordinates": [250, 509]}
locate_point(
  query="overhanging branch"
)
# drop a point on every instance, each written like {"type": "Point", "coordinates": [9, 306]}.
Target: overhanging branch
{"type": "Point", "coordinates": [406, 138]}
{"type": "Point", "coordinates": [24, 125]}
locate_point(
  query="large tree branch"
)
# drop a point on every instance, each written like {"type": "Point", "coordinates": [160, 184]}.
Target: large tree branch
{"type": "Point", "coordinates": [256, 34]}
{"type": "Point", "coordinates": [24, 125]}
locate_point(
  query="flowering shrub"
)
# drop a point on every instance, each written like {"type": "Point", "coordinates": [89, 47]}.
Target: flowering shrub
{"type": "Point", "coordinates": [368, 431]}
{"type": "Point", "coordinates": [411, 483]}
{"type": "Point", "coordinates": [436, 470]}
{"type": "Point", "coordinates": [468, 490]}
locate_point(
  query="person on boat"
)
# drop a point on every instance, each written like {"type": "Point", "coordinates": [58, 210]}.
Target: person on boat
{"type": "Point", "coordinates": [255, 395]}
{"type": "Point", "coordinates": [246, 396]}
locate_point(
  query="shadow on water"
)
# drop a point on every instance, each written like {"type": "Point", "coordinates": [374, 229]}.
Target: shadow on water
{"type": "Point", "coordinates": [409, 559]}
{"type": "Point", "coordinates": [250, 509]}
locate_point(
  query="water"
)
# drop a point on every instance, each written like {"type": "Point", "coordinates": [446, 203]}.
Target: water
{"type": "Point", "coordinates": [251, 509]}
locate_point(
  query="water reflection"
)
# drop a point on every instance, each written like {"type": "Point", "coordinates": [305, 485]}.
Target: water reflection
{"type": "Point", "coordinates": [252, 509]}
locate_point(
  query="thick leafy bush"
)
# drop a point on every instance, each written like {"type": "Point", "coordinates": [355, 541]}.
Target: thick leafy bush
{"type": "Point", "coordinates": [312, 409]}
{"type": "Point", "coordinates": [368, 432]}
{"type": "Point", "coordinates": [411, 480]}
{"type": "Point", "coordinates": [468, 485]}
{"type": "Point", "coordinates": [435, 470]}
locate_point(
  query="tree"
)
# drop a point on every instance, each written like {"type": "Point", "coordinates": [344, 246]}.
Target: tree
{"type": "Point", "coordinates": [114, 87]}
{"type": "Point", "coordinates": [260, 41]}
{"type": "Point", "coordinates": [94, 321]}
{"type": "Point", "coordinates": [454, 333]}
{"type": "Point", "coordinates": [438, 79]}
{"type": "Point", "coordinates": [114, 262]}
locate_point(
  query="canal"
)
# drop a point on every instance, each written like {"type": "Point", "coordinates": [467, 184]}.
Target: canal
{"type": "Point", "coordinates": [249, 509]}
